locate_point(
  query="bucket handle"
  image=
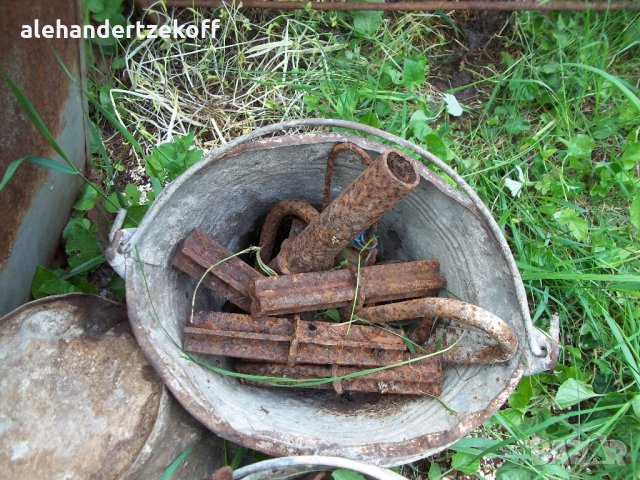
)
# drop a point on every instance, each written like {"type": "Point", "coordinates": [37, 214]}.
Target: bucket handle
{"type": "Point", "coordinates": [543, 348]}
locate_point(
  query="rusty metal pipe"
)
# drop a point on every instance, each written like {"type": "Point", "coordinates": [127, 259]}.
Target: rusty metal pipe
{"type": "Point", "coordinates": [307, 292]}
{"type": "Point", "coordinates": [376, 190]}
{"type": "Point", "coordinates": [464, 313]}
{"type": "Point", "coordinates": [299, 209]}
{"type": "Point", "coordinates": [337, 148]}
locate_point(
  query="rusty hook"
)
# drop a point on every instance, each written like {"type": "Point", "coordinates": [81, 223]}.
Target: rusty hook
{"type": "Point", "coordinates": [465, 313]}
{"type": "Point", "coordinates": [280, 210]}
{"type": "Point", "coordinates": [337, 148]}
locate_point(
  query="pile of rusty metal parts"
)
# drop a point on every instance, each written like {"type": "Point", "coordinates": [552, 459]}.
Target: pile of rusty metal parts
{"type": "Point", "coordinates": [327, 263]}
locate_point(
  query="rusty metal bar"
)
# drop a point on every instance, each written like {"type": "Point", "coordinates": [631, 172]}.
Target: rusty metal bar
{"type": "Point", "coordinates": [306, 292]}
{"type": "Point", "coordinates": [281, 340]}
{"type": "Point", "coordinates": [231, 278]}
{"type": "Point", "coordinates": [297, 208]}
{"type": "Point", "coordinates": [464, 313]}
{"type": "Point", "coordinates": [186, 265]}
{"type": "Point", "coordinates": [508, 5]}
{"type": "Point", "coordinates": [380, 187]}
{"type": "Point", "coordinates": [423, 377]}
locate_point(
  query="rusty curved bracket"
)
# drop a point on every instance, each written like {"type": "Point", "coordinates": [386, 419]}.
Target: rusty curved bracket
{"type": "Point", "coordinates": [297, 208]}
{"type": "Point", "coordinates": [337, 148]}
{"type": "Point", "coordinates": [462, 312]}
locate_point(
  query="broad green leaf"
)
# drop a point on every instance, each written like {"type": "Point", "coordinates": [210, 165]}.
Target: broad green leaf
{"type": "Point", "coordinates": [436, 145]}
{"type": "Point", "coordinates": [453, 107]}
{"type": "Point", "coordinates": [87, 197]}
{"type": "Point", "coordinates": [572, 391]}
{"type": "Point", "coordinates": [509, 471]}
{"type": "Point", "coordinates": [344, 474]}
{"type": "Point", "coordinates": [81, 246]}
{"type": "Point", "coordinates": [83, 285]}
{"type": "Point", "coordinates": [38, 161]}
{"type": "Point", "coordinates": [516, 125]}
{"type": "Point", "coordinates": [419, 124]}
{"type": "Point", "coordinates": [631, 155]}
{"type": "Point", "coordinates": [367, 23]}
{"type": "Point", "coordinates": [576, 225]}
{"type": "Point", "coordinates": [634, 211]}
{"type": "Point", "coordinates": [135, 215]}
{"type": "Point", "coordinates": [580, 146]}
{"type": "Point", "coordinates": [95, 6]}
{"type": "Point", "coordinates": [465, 463]}
{"type": "Point", "coordinates": [132, 194]}
{"type": "Point", "coordinates": [112, 204]}
{"type": "Point", "coordinates": [435, 472]}
{"type": "Point", "coordinates": [73, 221]}
{"type": "Point", "coordinates": [394, 74]}
{"type": "Point", "coordinates": [45, 283]}
{"type": "Point", "coordinates": [414, 72]}
{"type": "Point", "coordinates": [330, 313]}
{"type": "Point", "coordinates": [512, 416]}
{"type": "Point", "coordinates": [117, 287]}
{"type": "Point", "coordinates": [522, 394]}
{"type": "Point", "coordinates": [370, 118]}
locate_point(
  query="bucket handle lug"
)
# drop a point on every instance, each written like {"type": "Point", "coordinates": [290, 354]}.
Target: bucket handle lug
{"type": "Point", "coordinates": [119, 238]}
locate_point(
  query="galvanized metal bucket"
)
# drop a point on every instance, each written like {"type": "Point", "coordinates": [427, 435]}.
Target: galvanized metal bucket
{"type": "Point", "coordinates": [297, 467]}
{"type": "Point", "coordinates": [225, 196]}
{"type": "Point", "coordinates": [79, 400]}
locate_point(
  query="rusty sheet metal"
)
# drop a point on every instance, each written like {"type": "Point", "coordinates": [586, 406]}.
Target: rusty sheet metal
{"type": "Point", "coordinates": [31, 227]}
{"type": "Point", "coordinates": [299, 209]}
{"type": "Point", "coordinates": [376, 190]}
{"type": "Point", "coordinates": [231, 278]}
{"type": "Point", "coordinates": [464, 313]}
{"type": "Point", "coordinates": [423, 377]}
{"type": "Point", "coordinates": [305, 292]}
{"type": "Point", "coordinates": [281, 340]}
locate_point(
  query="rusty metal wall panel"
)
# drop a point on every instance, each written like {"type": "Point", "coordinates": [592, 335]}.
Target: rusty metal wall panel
{"type": "Point", "coordinates": [35, 205]}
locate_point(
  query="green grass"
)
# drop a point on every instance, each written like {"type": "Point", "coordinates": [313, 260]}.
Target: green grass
{"type": "Point", "coordinates": [550, 143]}
{"type": "Point", "coordinates": [555, 155]}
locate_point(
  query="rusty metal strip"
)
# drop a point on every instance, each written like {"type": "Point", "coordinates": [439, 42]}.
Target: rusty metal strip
{"type": "Point", "coordinates": [305, 292]}
{"type": "Point", "coordinates": [299, 209]}
{"type": "Point", "coordinates": [381, 186]}
{"type": "Point", "coordinates": [270, 339]}
{"type": "Point", "coordinates": [191, 268]}
{"type": "Point", "coordinates": [422, 377]}
{"type": "Point", "coordinates": [471, 315]}
{"type": "Point", "coordinates": [204, 251]}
